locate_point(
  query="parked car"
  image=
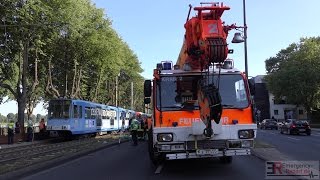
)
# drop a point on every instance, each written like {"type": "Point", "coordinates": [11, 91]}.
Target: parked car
{"type": "Point", "coordinates": [293, 126]}
{"type": "Point", "coordinates": [269, 124]}
{"type": "Point", "coordinates": [280, 124]}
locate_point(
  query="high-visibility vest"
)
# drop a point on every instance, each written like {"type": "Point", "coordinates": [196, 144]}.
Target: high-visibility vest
{"type": "Point", "coordinates": [11, 126]}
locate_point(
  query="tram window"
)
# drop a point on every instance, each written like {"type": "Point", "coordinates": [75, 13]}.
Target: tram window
{"type": "Point", "coordinates": [80, 111]}
{"type": "Point", "coordinates": [66, 111]}
{"type": "Point", "coordinates": [75, 111]}
{"type": "Point", "coordinates": [87, 114]}
{"type": "Point", "coordinates": [93, 113]}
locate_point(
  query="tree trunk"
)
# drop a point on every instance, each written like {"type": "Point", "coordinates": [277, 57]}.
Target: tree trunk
{"type": "Point", "coordinates": [98, 85]}
{"type": "Point", "coordinates": [22, 83]}
{"type": "Point", "coordinates": [78, 88]}
{"type": "Point", "coordinates": [73, 91]}
{"type": "Point", "coordinates": [49, 88]}
{"type": "Point", "coordinates": [32, 100]}
{"type": "Point", "coordinates": [21, 108]}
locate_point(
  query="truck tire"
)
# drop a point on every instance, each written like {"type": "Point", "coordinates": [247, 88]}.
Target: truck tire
{"type": "Point", "coordinates": [155, 157]}
{"type": "Point", "coordinates": [226, 159]}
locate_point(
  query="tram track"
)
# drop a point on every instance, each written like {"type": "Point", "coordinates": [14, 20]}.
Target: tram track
{"type": "Point", "coordinates": [17, 158]}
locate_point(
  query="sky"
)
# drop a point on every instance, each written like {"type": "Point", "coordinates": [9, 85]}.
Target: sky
{"type": "Point", "coordinates": [154, 30]}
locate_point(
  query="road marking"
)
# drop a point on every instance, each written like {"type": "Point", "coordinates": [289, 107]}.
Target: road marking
{"type": "Point", "coordinates": [159, 168]}
{"type": "Point", "coordinates": [293, 138]}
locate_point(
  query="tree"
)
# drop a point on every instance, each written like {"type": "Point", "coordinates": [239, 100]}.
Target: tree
{"type": "Point", "coordinates": [3, 119]}
{"type": "Point", "coordinates": [52, 49]}
{"type": "Point", "coordinates": [24, 29]}
{"type": "Point", "coordinates": [295, 75]}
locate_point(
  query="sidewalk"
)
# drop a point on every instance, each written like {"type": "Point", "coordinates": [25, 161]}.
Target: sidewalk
{"type": "Point", "coordinates": [18, 141]}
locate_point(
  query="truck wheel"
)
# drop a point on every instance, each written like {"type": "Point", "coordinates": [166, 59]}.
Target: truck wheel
{"type": "Point", "coordinates": [226, 159]}
{"type": "Point", "coordinates": [155, 157]}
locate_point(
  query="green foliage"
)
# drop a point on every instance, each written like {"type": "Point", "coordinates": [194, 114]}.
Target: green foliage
{"type": "Point", "coordinates": [70, 49]}
{"type": "Point", "coordinates": [294, 73]}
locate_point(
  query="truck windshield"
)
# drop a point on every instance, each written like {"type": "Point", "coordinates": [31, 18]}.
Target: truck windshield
{"type": "Point", "coordinates": [180, 92]}
{"type": "Point", "coordinates": [59, 109]}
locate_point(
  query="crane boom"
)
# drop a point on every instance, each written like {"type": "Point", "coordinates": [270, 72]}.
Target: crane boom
{"type": "Point", "coordinates": [205, 43]}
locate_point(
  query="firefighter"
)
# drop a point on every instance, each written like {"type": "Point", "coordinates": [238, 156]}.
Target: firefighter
{"type": "Point", "coordinates": [10, 134]}
{"type": "Point", "coordinates": [42, 127]}
{"type": "Point", "coordinates": [134, 126]}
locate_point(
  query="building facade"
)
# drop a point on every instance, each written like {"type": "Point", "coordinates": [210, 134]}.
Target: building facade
{"type": "Point", "coordinates": [267, 107]}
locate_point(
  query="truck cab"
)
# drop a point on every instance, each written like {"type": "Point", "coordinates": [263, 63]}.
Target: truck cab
{"type": "Point", "coordinates": [178, 130]}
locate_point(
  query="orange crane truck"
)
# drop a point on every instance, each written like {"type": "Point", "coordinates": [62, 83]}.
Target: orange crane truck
{"type": "Point", "coordinates": [201, 106]}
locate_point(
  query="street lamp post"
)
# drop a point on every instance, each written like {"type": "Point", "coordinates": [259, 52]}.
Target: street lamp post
{"type": "Point", "coordinates": [245, 38]}
{"type": "Point", "coordinates": [238, 38]}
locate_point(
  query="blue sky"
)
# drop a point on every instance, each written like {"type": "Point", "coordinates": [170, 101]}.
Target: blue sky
{"type": "Point", "coordinates": [154, 30]}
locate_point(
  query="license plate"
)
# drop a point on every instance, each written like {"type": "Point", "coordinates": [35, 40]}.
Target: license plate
{"type": "Point", "coordinates": [301, 130]}
{"type": "Point", "coordinates": [207, 151]}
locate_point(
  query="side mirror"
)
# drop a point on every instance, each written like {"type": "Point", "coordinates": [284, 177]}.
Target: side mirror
{"type": "Point", "coordinates": [252, 86]}
{"type": "Point", "coordinates": [147, 88]}
{"type": "Point", "coordinates": [147, 100]}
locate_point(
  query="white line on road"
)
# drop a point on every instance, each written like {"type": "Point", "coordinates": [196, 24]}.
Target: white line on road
{"type": "Point", "coordinates": [293, 138]}
{"type": "Point", "coordinates": [159, 168]}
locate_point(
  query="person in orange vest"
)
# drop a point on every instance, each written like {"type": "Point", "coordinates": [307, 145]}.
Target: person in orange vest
{"type": "Point", "coordinates": [42, 128]}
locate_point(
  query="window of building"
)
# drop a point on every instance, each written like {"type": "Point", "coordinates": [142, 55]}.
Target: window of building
{"type": "Point", "coordinates": [276, 112]}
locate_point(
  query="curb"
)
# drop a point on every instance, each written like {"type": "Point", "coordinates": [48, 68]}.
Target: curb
{"type": "Point", "coordinates": [258, 155]}
{"type": "Point", "coordinates": [270, 154]}
{"type": "Point", "coordinates": [17, 174]}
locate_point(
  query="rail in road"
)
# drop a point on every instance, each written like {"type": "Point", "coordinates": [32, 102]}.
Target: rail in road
{"type": "Point", "coordinates": [19, 157]}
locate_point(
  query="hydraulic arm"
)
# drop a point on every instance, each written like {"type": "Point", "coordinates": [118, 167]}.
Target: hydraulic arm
{"type": "Point", "coordinates": [205, 43]}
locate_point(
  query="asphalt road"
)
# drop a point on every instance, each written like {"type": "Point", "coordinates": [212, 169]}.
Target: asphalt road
{"type": "Point", "coordinates": [130, 162]}
{"type": "Point", "coordinates": [297, 147]}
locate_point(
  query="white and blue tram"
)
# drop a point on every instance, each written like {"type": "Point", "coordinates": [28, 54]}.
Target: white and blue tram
{"type": "Point", "coordinates": [70, 117]}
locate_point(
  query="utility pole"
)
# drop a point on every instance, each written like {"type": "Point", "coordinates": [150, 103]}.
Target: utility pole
{"type": "Point", "coordinates": [245, 38]}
